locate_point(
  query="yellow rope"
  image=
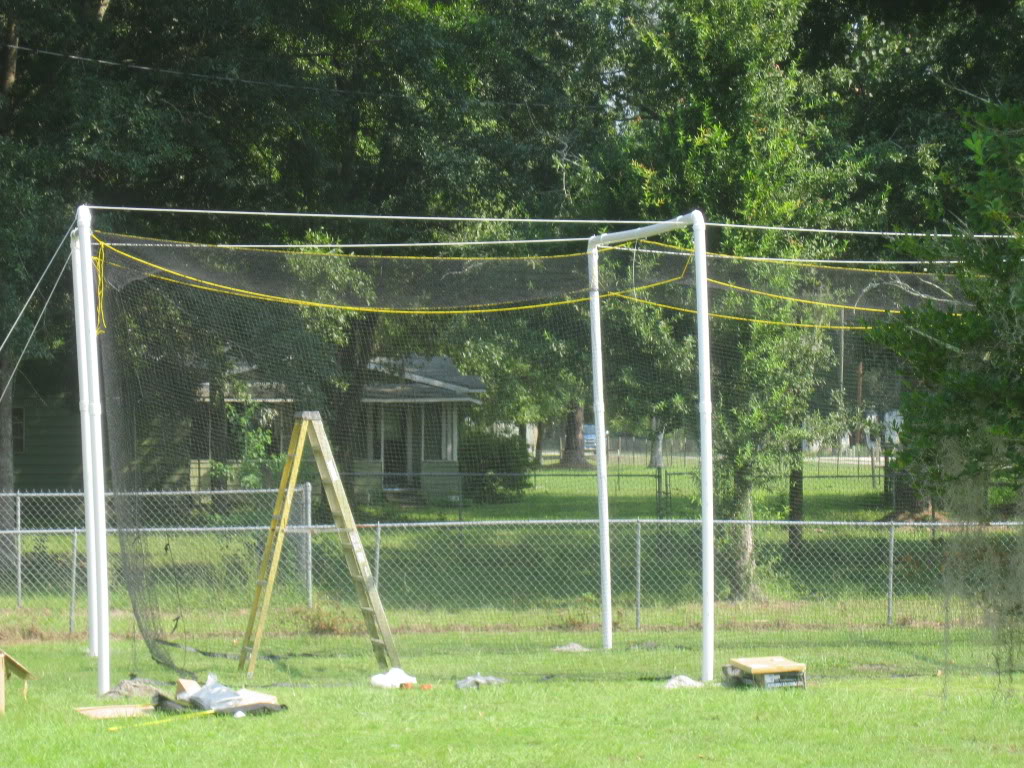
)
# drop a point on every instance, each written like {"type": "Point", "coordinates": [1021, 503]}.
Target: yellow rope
{"type": "Point", "coordinates": [809, 264]}
{"type": "Point", "coordinates": [802, 301]}
{"type": "Point", "coordinates": [346, 255]}
{"type": "Point", "coordinates": [754, 320]}
{"type": "Point", "coordinates": [99, 263]}
{"type": "Point", "coordinates": [180, 278]}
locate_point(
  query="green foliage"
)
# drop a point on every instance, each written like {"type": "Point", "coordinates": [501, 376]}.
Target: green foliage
{"type": "Point", "coordinates": [256, 466]}
{"type": "Point", "coordinates": [964, 413]}
{"type": "Point", "coordinates": [497, 466]}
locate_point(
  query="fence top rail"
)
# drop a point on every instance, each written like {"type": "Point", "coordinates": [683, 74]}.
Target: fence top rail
{"type": "Point", "coordinates": [113, 494]}
{"type": "Point", "coordinates": [301, 528]}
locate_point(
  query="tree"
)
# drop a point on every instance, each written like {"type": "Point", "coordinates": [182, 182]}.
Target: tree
{"type": "Point", "coordinates": [963, 416]}
{"type": "Point", "coordinates": [738, 139]}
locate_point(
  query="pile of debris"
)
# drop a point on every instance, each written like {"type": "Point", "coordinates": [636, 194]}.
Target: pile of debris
{"type": "Point", "coordinates": [213, 698]}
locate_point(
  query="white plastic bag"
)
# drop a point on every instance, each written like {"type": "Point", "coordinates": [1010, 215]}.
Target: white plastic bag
{"type": "Point", "coordinates": [393, 678]}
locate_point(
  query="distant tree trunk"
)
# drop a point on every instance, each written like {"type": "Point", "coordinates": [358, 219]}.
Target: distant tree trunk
{"type": "Point", "coordinates": [742, 576]}
{"type": "Point", "coordinates": [8, 516]}
{"type": "Point", "coordinates": [572, 455]}
{"type": "Point", "coordinates": [538, 450]}
{"type": "Point", "coordinates": [218, 430]}
{"type": "Point", "coordinates": [796, 512]}
{"type": "Point", "coordinates": [657, 445]}
{"type": "Point", "coordinates": [796, 504]}
{"type": "Point", "coordinates": [347, 423]}
{"type": "Point", "coordinates": [908, 503]}
{"type": "Point", "coordinates": [10, 74]}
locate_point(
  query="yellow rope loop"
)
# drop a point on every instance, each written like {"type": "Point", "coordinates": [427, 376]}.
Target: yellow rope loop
{"type": "Point", "coordinates": [99, 263]}
{"type": "Point", "coordinates": [181, 278]}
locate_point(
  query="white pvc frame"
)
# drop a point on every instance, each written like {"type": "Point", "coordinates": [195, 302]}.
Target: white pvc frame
{"type": "Point", "coordinates": [90, 405]}
{"type": "Point", "coordinates": [90, 401]}
{"type": "Point", "coordinates": [695, 220]}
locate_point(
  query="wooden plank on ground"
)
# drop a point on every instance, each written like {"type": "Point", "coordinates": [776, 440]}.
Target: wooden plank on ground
{"type": "Point", "coordinates": [111, 711]}
{"type": "Point", "coordinates": [764, 665]}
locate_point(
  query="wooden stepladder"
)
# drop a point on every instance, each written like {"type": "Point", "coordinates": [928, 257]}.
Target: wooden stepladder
{"type": "Point", "coordinates": [308, 424]}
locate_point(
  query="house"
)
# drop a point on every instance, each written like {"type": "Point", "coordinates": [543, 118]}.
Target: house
{"type": "Point", "coordinates": [413, 412]}
{"type": "Point", "coordinates": [46, 427]}
{"type": "Point", "coordinates": [408, 437]}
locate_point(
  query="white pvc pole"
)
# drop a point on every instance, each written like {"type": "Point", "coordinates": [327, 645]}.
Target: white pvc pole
{"type": "Point", "coordinates": [707, 484]}
{"type": "Point", "coordinates": [94, 436]}
{"type": "Point", "coordinates": [83, 406]}
{"type": "Point", "coordinates": [695, 219]}
{"type": "Point", "coordinates": [597, 368]}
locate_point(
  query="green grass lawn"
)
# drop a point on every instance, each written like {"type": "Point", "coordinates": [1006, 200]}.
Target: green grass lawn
{"type": "Point", "coordinates": [922, 720]}
{"type": "Point", "coordinates": [847, 491]}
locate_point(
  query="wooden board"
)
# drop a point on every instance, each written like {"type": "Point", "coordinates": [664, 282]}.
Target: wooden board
{"type": "Point", "coordinates": [110, 711]}
{"type": "Point", "coordinates": [763, 665]}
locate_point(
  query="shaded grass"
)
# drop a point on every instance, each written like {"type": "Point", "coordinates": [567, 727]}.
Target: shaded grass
{"type": "Point", "coordinates": [844, 491]}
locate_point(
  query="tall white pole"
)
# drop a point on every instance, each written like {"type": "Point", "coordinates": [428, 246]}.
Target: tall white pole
{"type": "Point", "coordinates": [81, 334]}
{"type": "Point", "coordinates": [597, 368]}
{"type": "Point", "coordinates": [696, 220]}
{"type": "Point", "coordinates": [707, 483]}
{"type": "Point", "coordinates": [96, 507]}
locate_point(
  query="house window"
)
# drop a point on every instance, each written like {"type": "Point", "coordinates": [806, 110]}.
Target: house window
{"type": "Point", "coordinates": [18, 429]}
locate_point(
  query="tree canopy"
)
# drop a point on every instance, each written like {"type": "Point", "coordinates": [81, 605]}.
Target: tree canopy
{"type": "Point", "coordinates": [799, 112]}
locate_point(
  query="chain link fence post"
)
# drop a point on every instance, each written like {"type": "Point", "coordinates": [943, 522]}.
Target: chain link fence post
{"type": "Point", "coordinates": [74, 582]}
{"type": "Point", "coordinates": [892, 561]}
{"type": "Point", "coordinates": [306, 559]}
{"type": "Point", "coordinates": [376, 557]}
{"type": "Point", "coordinates": [17, 543]}
{"type": "Point", "coordinates": [638, 573]}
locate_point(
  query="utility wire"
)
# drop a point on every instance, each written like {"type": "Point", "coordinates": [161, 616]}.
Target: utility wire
{"type": "Point", "coordinates": [290, 86]}
{"type": "Point", "coordinates": [32, 333]}
{"type": "Point", "coordinates": [39, 282]}
{"type": "Point", "coordinates": [868, 232]}
{"type": "Point", "coordinates": [525, 220]}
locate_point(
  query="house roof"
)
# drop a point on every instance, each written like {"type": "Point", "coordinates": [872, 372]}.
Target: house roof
{"type": "Point", "coordinates": [418, 379]}
{"type": "Point", "coordinates": [412, 379]}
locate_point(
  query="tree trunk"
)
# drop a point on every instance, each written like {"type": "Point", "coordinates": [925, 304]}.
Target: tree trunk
{"type": "Point", "coordinates": [908, 503]}
{"type": "Point", "coordinates": [538, 450]}
{"type": "Point", "coordinates": [8, 516]}
{"type": "Point", "coordinates": [10, 75]}
{"type": "Point", "coordinates": [218, 431]}
{"type": "Point", "coordinates": [796, 512]}
{"type": "Point", "coordinates": [742, 576]}
{"type": "Point", "coordinates": [657, 446]}
{"type": "Point", "coordinates": [348, 440]}
{"type": "Point", "coordinates": [572, 455]}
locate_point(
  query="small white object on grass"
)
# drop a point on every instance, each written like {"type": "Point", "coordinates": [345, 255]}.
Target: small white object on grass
{"type": "Point", "coordinates": [682, 681]}
{"type": "Point", "coordinates": [475, 681]}
{"type": "Point", "coordinates": [393, 678]}
{"type": "Point", "coordinates": [572, 648]}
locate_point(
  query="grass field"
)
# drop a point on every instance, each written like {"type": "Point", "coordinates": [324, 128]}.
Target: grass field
{"type": "Point", "coordinates": [845, 490]}
{"type": "Point", "coordinates": [923, 720]}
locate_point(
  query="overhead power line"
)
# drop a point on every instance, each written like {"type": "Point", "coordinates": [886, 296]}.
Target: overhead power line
{"type": "Point", "coordinates": [527, 220]}
{"type": "Point", "coordinates": [253, 82]}
{"type": "Point", "coordinates": [32, 293]}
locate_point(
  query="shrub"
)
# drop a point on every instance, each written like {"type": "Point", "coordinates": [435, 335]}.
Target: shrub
{"type": "Point", "coordinates": [496, 466]}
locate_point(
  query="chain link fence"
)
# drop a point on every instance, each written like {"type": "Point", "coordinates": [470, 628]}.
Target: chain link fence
{"type": "Point", "coordinates": [861, 597]}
